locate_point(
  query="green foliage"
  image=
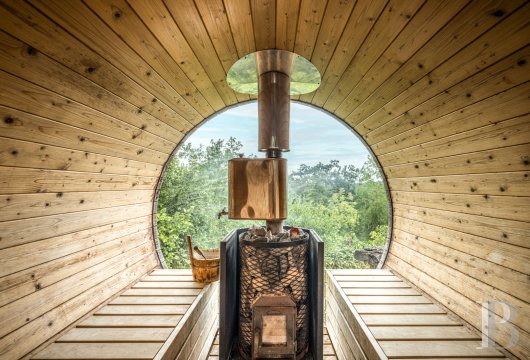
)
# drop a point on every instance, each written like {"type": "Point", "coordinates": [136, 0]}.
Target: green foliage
{"type": "Point", "coordinates": [345, 205]}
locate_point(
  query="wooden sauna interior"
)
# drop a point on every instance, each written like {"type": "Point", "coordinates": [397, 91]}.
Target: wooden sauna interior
{"type": "Point", "coordinates": [96, 95]}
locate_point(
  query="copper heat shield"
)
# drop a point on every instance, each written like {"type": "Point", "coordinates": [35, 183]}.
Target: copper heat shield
{"type": "Point", "coordinates": [257, 189]}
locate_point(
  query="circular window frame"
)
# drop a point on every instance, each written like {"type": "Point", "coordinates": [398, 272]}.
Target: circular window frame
{"type": "Point", "coordinates": [160, 181]}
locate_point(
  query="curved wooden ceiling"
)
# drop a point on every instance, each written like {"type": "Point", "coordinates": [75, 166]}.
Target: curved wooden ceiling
{"type": "Point", "coordinates": [96, 94]}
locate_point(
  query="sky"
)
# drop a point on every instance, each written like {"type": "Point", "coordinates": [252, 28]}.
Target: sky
{"type": "Point", "coordinates": [315, 136]}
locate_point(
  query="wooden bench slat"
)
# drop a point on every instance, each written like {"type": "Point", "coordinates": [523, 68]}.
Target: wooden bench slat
{"type": "Point", "coordinates": [131, 321]}
{"type": "Point", "coordinates": [161, 292]}
{"type": "Point", "coordinates": [407, 320]}
{"type": "Point", "coordinates": [423, 333]}
{"type": "Point", "coordinates": [138, 351]}
{"type": "Point", "coordinates": [90, 335]}
{"type": "Point", "coordinates": [361, 278]}
{"type": "Point", "coordinates": [143, 310]}
{"type": "Point", "coordinates": [399, 309]}
{"type": "Point", "coordinates": [382, 291]}
{"type": "Point", "coordinates": [382, 284]}
{"type": "Point", "coordinates": [153, 300]}
{"type": "Point", "coordinates": [417, 349]}
{"type": "Point", "coordinates": [361, 272]}
{"type": "Point", "coordinates": [418, 299]}
{"type": "Point", "coordinates": [168, 285]}
{"type": "Point", "coordinates": [167, 278]}
{"type": "Point", "coordinates": [171, 272]}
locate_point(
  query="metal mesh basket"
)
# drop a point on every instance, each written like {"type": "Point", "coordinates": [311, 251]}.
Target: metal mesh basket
{"type": "Point", "coordinates": [280, 268]}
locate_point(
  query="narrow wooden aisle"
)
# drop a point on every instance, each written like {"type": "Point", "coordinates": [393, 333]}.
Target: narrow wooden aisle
{"type": "Point", "coordinates": [329, 351]}
{"type": "Point", "coordinates": [392, 320]}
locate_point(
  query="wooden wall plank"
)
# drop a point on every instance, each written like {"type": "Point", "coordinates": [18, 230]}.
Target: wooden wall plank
{"type": "Point", "coordinates": [25, 206]}
{"type": "Point", "coordinates": [19, 232]}
{"type": "Point", "coordinates": [498, 252]}
{"type": "Point", "coordinates": [512, 158]}
{"type": "Point", "coordinates": [505, 183]}
{"type": "Point", "coordinates": [141, 351]}
{"type": "Point", "coordinates": [468, 288]}
{"type": "Point", "coordinates": [500, 230]}
{"type": "Point", "coordinates": [104, 335]}
{"type": "Point", "coordinates": [502, 131]}
{"type": "Point", "coordinates": [22, 341]}
{"type": "Point", "coordinates": [60, 182]}
{"type": "Point", "coordinates": [19, 153]}
{"type": "Point", "coordinates": [458, 303]}
{"type": "Point", "coordinates": [510, 281]}
{"type": "Point", "coordinates": [48, 298]}
{"type": "Point", "coordinates": [34, 278]}
{"type": "Point", "coordinates": [503, 207]}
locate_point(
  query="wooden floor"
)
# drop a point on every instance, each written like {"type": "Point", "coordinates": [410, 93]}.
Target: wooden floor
{"type": "Point", "coordinates": [135, 325]}
{"type": "Point", "coordinates": [398, 321]}
{"type": "Point", "coordinates": [329, 351]}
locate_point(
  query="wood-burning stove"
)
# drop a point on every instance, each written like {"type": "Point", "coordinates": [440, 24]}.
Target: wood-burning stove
{"type": "Point", "coordinates": [241, 289]}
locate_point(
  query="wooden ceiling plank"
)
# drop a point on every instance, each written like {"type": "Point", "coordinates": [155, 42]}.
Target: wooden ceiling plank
{"type": "Point", "coordinates": [190, 24]}
{"type": "Point", "coordinates": [513, 283]}
{"type": "Point", "coordinates": [264, 20]}
{"type": "Point", "coordinates": [240, 18]}
{"type": "Point", "coordinates": [27, 285]}
{"type": "Point", "coordinates": [500, 184]}
{"type": "Point", "coordinates": [471, 227]}
{"type": "Point", "coordinates": [495, 112]}
{"type": "Point", "coordinates": [214, 17]}
{"type": "Point", "coordinates": [27, 338]}
{"type": "Point", "coordinates": [52, 40]}
{"type": "Point", "coordinates": [455, 293]}
{"type": "Point", "coordinates": [433, 69]}
{"type": "Point", "coordinates": [333, 23]}
{"type": "Point", "coordinates": [26, 96]}
{"type": "Point", "coordinates": [122, 19]}
{"type": "Point", "coordinates": [70, 85]}
{"type": "Point", "coordinates": [47, 181]}
{"type": "Point", "coordinates": [510, 132]}
{"type": "Point", "coordinates": [19, 153]}
{"type": "Point", "coordinates": [393, 19]}
{"type": "Point", "coordinates": [29, 127]}
{"type": "Point", "coordinates": [159, 21]}
{"type": "Point", "coordinates": [508, 72]}
{"type": "Point", "coordinates": [309, 22]}
{"type": "Point", "coordinates": [363, 17]}
{"type": "Point", "coordinates": [286, 23]}
{"type": "Point", "coordinates": [25, 206]}
{"type": "Point", "coordinates": [429, 19]}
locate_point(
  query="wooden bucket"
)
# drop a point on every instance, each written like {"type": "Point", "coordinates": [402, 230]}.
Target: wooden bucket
{"type": "Point", "coordinates": [204, 264]}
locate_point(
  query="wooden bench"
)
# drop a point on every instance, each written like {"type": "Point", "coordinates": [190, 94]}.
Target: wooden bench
{"type": "Point", "coordinates": [374, 314]}
{"type": "Point", "coordinates": [166, 315]}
